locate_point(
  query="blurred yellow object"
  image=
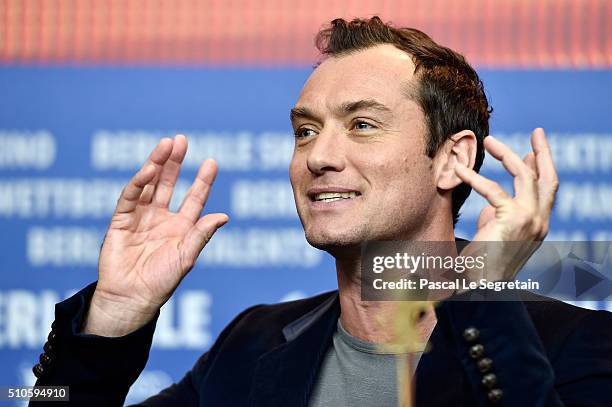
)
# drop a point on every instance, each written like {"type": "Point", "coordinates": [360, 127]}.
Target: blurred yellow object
{"type": "Point", "coordinates": [406, 341]}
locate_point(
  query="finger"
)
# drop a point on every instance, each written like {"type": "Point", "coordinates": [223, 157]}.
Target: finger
{"type": "Point", "coordinates": [170, 172]}
{"type": "Point", "coordinates": [529, 160]}
{"type": "Point", "coordinates": [490, 190]}
{"type": "Point", "coordinates": [543, 156]}
{"type": "Point", "coordinates": [198, 192]}
{"type": "Point", "coordinates": [157, 158]}
{"type": "Point", "coordinates": [131, 194]}
{"type": "Point", "coordinates": [199, 235]}
{"type": "Point", "coordinates": [548, 181]}
{"type": "Point", "coordinates": [524, 177]}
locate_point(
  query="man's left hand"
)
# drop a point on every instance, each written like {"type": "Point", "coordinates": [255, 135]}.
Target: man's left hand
{"type": "Point", "coordinates": [521, 220]}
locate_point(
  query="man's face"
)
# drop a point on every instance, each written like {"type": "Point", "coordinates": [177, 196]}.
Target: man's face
{"type": "Point", "coordinates": [359, 169]}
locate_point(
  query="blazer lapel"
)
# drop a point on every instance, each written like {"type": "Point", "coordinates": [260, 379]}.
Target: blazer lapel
{"type": "Point", "coordinates": [286, 375]}
{"type": "Point", "coordinates": [440, 378]}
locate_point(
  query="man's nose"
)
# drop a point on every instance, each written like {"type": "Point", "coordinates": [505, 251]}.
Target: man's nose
{"type": "Point", "coordinates": [326, 154]}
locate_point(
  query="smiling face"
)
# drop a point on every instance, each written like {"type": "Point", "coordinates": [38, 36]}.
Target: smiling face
{"type": "Point", "coordinates": [359, 169]}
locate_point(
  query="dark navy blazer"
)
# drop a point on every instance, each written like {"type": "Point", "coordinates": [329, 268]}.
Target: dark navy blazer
{"type": "Point", "coordinates": [543, 353]}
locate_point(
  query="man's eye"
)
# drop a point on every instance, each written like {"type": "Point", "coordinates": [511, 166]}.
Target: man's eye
{"type": "Point", "coordinates": [363, 126]}
{"type": "Point", "coordinates": [305, 132]}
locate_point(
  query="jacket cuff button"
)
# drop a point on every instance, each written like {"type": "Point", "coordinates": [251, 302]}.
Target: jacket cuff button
{"type": "Point", "coordinates": [489, 380]}
{"type": "Point", "coordinates": [495, 395]}
{"type": "Point", "coordinates": [45, 359]}
{"type": "Point", "coordinates": [476, 351]}
{"type": "Point", "coordinates": [471, 334]}
{"type": "Point", "coordinates": [52, 336]}
{"type": "Point", "coordinates": [38, 370]}
{"type": "Point", "coordinates": [48, 348]}
{"type": "Point", "coordinates": [484, 365]}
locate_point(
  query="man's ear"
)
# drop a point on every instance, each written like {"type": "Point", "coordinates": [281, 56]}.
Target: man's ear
{"type": "Point", "coordinates": [460, 147]}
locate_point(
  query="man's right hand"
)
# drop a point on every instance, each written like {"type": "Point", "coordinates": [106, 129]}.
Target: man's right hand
{"type": "Point", "coordinates": [148, 249]}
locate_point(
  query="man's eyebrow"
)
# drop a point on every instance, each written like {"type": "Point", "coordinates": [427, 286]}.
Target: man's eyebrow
{"type": "Point", "coordinates": [364, 104]}
{"type": "Point", "coordinates": [301, 112]}
{"type": "Point", "coordinates": [344, 109]}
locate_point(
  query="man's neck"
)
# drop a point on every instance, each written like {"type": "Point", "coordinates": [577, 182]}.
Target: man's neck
{"type": "Point", "coordinates": [374, 321]}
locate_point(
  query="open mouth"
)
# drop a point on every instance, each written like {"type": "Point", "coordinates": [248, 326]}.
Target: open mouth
{"type": "Point", "coordinates": [334, 196]}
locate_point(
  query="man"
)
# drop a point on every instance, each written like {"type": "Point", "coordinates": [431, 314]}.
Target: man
{"type": "Point", "coordinates": [390, 133]}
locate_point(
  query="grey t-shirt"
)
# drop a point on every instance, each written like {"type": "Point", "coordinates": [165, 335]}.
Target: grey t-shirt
{"type": "Point", "coordinates": [357, 373]}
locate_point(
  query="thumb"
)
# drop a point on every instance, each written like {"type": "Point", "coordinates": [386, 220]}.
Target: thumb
{"type": "Point", "coordinates": [486, 215]}
{"type": "Point", "coordinates": [199, 235]}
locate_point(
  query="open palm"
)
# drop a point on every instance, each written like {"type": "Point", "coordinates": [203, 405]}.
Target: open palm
{"type": "Point", "coordinates": [148, 249]}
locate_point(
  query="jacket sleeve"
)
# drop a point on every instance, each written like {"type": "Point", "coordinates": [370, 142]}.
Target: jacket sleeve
{"type": "Point", "coordinates": [98, 370]}
{"type": "Point", "coordinates": [506, 363]}
{"type": "Point", "coordinates": [585, 363]}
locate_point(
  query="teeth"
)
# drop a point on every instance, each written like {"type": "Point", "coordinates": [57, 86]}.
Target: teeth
{"type": "Point", "coordinates": [334, 196]}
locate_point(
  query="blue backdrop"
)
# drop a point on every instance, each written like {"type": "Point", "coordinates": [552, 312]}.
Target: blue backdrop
{"type": "Point", "coordinates": [71, 137]}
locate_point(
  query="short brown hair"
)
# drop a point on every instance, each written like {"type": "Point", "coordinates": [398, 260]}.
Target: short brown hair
{"type": "Point", "coordinates": [449, 91]}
